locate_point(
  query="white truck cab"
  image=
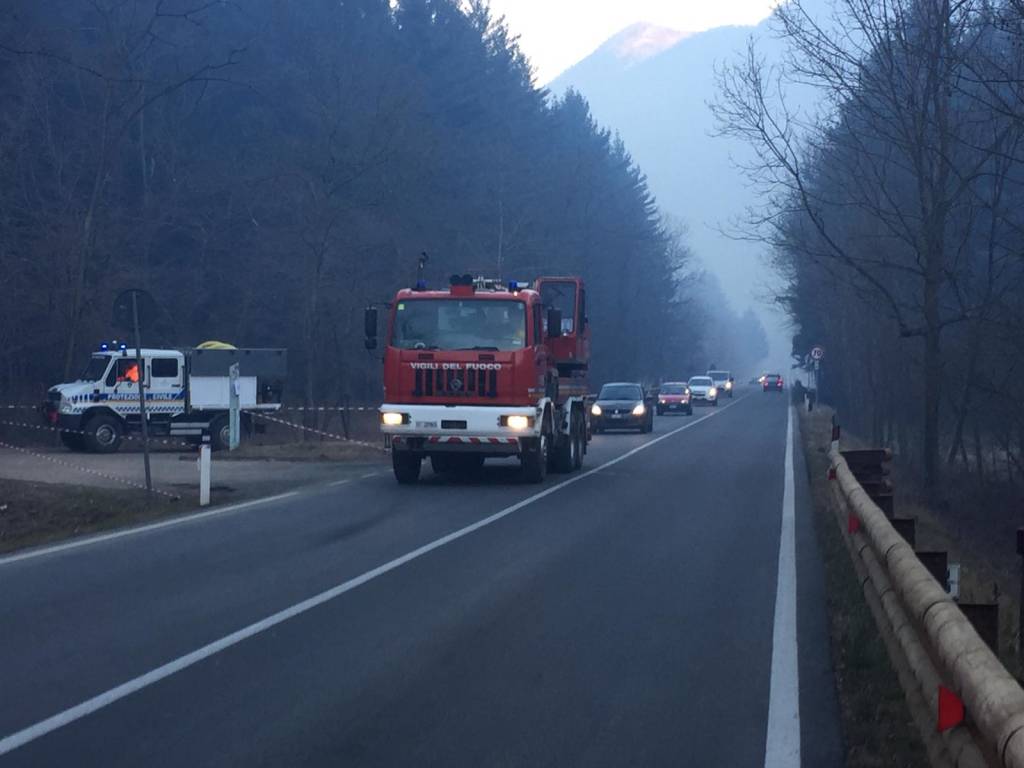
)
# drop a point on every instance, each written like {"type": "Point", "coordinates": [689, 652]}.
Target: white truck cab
{"type": "Point", "coordinates": [186, 391]}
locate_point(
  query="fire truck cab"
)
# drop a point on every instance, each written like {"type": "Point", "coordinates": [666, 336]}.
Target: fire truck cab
{"type": "Point", "coordinates": [482, 370]}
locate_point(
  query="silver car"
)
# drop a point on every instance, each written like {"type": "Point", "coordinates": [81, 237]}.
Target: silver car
{"type": "Point", "coordinates": [703, 390]}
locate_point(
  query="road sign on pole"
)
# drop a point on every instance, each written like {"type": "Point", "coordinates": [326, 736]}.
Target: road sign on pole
{"type": "Point", "coordinates": [233, 416]}
{"type": "Point", "coordinates": [817, 353]}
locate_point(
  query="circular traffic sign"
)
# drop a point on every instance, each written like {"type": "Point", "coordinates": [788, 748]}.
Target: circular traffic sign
{"type": "Point", "coordinates": [817, 353]}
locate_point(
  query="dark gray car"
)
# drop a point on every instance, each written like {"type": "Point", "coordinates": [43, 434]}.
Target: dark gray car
{"type": "Point", "coordinates": [622, 405]}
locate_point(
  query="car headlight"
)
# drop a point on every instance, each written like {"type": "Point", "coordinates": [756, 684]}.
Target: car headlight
{"type": "Point", "coordinates": [712, 392]}
{"type": "Point", "coordinates": [517, 422]}
{"type": "Point", "coordinates": [595, 410]}
{"type": "Point", "coordinates": [639, 410]}
{"type": "Point", "coordinates": [728, 385]}
{"type": "Point", "coordinates": [393, 418]}
{"type": "Point", "coordinates": [662, 400]}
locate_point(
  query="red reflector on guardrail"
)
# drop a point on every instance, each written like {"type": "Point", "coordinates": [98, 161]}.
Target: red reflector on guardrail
{"type": "Point", "coordinates": [951, 709]}
{"type": "Point", "coordinates": [831, 473]}
{"type": "Point", "coordinates": [852, 523]}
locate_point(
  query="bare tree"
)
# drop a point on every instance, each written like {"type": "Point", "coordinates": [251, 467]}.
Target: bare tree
{"type": "Point", "coordinates": [878, 174]}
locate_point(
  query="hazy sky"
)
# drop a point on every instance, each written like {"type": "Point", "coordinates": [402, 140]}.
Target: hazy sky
{"type": "Point", "coordinates": [555, 34]}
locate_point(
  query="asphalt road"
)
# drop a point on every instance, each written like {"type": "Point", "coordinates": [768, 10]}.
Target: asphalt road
{"type": "Point", "coordinates": [624, 618]}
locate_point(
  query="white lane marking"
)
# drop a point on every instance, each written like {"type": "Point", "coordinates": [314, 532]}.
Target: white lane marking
{"type": "Point", "coordinates": [86, 541]}
{"type": "Point", "coordinates": [782, 746]}
{"type": "Point", "coordinates": [187, 518]}
{"type": "Point", "coordinates": [105, 699]}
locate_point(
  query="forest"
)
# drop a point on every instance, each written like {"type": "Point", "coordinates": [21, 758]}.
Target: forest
{"type": "Point", "coordinates": [893, 211]}
{"type": "Point", "coordinates": [267, 169]}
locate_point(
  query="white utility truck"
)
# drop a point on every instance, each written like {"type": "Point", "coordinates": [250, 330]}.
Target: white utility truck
{"type": "Point", "coordinates": [187, 394]}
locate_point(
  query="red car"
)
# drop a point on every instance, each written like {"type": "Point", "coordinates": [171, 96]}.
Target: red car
{"type": "Point", "coordinates": [674, 396]}
{"type": "Point", "coordinates": [772, 382]}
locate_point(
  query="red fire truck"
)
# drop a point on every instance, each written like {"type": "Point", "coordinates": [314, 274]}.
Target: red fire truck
{"type": "Point", "coordinates": [482, 370]}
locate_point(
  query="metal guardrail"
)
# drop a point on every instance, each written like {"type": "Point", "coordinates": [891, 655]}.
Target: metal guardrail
{"type": "Point", "coordinates": [932, 644]}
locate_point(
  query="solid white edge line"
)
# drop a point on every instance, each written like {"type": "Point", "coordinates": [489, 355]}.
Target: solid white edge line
{"type": "Point", "coordinates": [187, 517]}
{"type": "Point", "coordinates": [43, 727]}
{"type": "Point", "coordinates": [782, 744]}
{"type": "Point", "coordinates": [179, 520]}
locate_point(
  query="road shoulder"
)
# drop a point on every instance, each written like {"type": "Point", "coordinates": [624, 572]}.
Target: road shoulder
{"type": "Point", "coordinates": [820, 721]}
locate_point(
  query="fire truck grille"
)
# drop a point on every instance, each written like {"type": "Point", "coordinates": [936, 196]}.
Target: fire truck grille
{"type": "Point", "coordinates": [455, 383]}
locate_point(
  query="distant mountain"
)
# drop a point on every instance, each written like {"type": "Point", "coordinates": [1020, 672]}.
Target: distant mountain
{"type": "Point", "coordinates": [658, 103]}
{"type": "Point", "coordinates": [637, 43]}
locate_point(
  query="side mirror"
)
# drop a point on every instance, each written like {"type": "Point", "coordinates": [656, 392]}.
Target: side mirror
{"type": "Point", "coordinates": [370, 327]}
{"type": "Point", "coordinates": [554, 329]}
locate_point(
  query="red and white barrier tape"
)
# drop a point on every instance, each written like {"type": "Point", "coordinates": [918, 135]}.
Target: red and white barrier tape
{"type": "Point", "coordinates": [329, 408]}
{"type": "Point", "coordinates": [375, 446]}
{"type": "Point", "coordinates": [44, 428]}
{"type": "Point", "coordinates": [86, 470]}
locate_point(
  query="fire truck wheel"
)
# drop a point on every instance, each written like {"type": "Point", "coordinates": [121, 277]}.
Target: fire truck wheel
{"type": "Point", "coordinates": [103, 434]}
{"type": "Point", "coordinates": [72, 441]}
{"type": "Point", "coordinates": [564, 459]}
{"type": "Point", "coordinates": [580, 437]}
{"type": "Point", "coordinates": [535, 459]}
{"type": "Point", "coordinates": [569, 453]}
{"type": "Point", "coordinates": [441, 464]}
{"type": "Point", "coordinates": [407, 466]}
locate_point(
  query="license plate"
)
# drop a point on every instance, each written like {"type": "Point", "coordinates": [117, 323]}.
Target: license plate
{"type": "Point", "coordinates": [426, 424]}
{"type": "Point", "coordinates": [617, 416]}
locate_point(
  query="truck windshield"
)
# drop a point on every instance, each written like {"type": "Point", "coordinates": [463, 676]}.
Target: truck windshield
{"type": "Point", "coordinates": [460, 324]}
{"type": "Point", "coordinates": [718, 375]}
{"type": "Point", "coordinates": [95, 369]}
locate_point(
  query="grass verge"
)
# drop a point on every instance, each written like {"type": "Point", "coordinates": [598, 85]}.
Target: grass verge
{"type": "Point", "coordinates": [32, 514]}
{"type": "Point", "coordinates": [877, 727]}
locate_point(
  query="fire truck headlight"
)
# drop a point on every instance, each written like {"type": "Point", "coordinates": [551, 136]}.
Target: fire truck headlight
{"type": "Point", "coordinates": [518, 422]}
{"type": "Point", "coordinates": [639, 410]}
{"type": "Point", "coordinates": [394, 419]}
{"type": "Point", "coordinates": [595, 410]}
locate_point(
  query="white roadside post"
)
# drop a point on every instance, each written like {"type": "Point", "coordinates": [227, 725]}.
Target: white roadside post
{"type": "Point", "coordinates": [204, 472]}
{"type": "Point", "coordinates": [234, 425]}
